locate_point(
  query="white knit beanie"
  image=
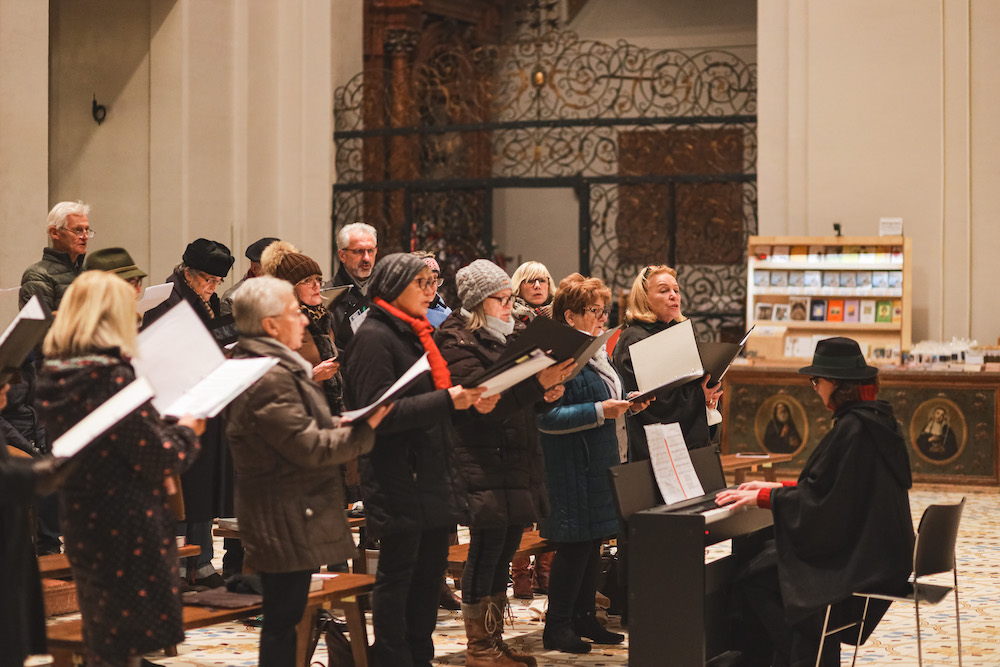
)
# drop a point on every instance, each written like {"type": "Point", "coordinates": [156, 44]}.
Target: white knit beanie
{"type": "Point", "coordinates": [478, 280]}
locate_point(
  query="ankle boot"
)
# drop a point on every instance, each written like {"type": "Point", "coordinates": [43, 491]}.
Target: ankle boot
{"type": "Point", "coordinates": [498, 603]}
{"type": "Point", "coordinates": [587, 625]}
{"type": "Point", "coordinates": [447, 599]}
{"type": "Point", "coordinates": [521, 574]}
{"type": "Point", "coordinates": [481, 651]}
{"type": "Point", "coordinates": [559, 636]}
{"type": "Point", "coordinates": [543, 563]}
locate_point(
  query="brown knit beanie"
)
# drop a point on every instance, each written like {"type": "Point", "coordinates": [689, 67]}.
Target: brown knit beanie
{"type": "Point", "coordinates": [283, 260]}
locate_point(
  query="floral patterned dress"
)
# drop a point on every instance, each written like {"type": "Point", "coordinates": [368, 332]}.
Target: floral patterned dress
{"type": "Point", "coordinates": [118, 530]}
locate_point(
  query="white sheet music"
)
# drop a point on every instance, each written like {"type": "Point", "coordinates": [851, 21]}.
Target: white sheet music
{"type": "Point", "coordinates": [672, 467]}
{"type": "Point", "coordinates": [536, 361]}
{"type": "Point", "coordinates": [666, 356]}
{"type": "Point", "coordinates": [177, 354]}
{"type": "Point", "coordinates": [31, 311]}
{"type": "Point", "coordinates": [422, 365]}
{"type": "Point", "coordinates": [153, 297]}
{"type": "Point", "coordinates": [101, 420]}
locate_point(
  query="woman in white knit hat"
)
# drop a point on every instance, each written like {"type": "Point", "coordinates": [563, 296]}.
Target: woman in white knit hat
{"type": "Point", "coordinates": [497, 454]}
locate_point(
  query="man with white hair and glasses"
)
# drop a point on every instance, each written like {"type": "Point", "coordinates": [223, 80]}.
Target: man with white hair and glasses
{"type": "Point", "coordinates": [69, 231]}
{"type": "Point", "coordinates": [357, 246]}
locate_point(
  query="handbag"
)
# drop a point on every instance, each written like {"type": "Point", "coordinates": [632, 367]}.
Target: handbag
{"type": "Point", "coordinates": [338, 647]}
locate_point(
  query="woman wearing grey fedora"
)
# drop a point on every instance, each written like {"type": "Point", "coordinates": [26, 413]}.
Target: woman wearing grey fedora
{"type": "Point", "coordinates": [844, 526]}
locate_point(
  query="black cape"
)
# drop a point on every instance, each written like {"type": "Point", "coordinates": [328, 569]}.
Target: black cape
{"type": "Point", "coordinates": [846, 525]}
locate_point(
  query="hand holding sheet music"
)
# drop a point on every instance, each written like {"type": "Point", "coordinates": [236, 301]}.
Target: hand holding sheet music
{"type": "Point", "coordinates": [422, 365]}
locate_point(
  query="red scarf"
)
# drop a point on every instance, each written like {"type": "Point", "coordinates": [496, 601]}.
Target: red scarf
{"type": "Point", "coordinates": [424, 331]}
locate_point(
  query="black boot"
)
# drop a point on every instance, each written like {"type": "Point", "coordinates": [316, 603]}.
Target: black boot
{"type": "Point", "coordinates": [559, 636]}
{"type": "Point", "coordinates": [587, 625]}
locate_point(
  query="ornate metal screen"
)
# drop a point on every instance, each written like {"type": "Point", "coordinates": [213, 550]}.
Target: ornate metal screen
{"type": "Point", "coordinates": [660, 146]}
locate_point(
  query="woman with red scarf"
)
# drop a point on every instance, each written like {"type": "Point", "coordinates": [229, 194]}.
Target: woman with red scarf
{"type": "Point", "coordinates": [412, 493]}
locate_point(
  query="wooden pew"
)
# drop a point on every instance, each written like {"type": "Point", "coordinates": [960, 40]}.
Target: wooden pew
{"type": "Point", "coordinates": [340, 592]}
{"type": "Point", "coordinates": [56, 566]}
{"type": "Point", "coordinates": [532, 544]}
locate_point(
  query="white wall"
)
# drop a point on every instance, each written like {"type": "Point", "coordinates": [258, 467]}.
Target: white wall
{"type": "Point", "coordinates": [520, 215]}
{"type": "Point", "coordinates": [219, 125]}
{"type": "Point", "coordinates": [24, 114]}
{"type": "Point", "coordinates": [880, 109]}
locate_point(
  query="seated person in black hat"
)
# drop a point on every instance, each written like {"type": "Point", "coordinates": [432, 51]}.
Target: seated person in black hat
{"type": "Point", "coordinates": [844, 526]}
{"type": "Point", "coordinates": [118, 262]}
{"type": "Point", "coordinates": [252, 253]}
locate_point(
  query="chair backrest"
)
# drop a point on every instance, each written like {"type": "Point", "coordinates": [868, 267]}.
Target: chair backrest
{"type": "Point", "coordinates": [936, 537]}
{"type": "Point", "coordinates": [635, 488]}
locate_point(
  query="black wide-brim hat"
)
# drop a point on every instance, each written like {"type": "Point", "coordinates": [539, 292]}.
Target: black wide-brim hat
{"type": "Point", "coordinates": [209, 256]}
{"type": "Point", "coordinates": [839, 359]}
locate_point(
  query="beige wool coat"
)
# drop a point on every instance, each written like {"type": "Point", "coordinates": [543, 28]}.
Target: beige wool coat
{"type": "Point", "coordinates": [287, 448]}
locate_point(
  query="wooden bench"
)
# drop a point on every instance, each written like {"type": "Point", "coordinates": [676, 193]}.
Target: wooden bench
{"type": "Point", "coordinates": [56, 566]}
{"type": "Point", "coordinates": [339, 592]}
{"type": "Point", "coordinates": [532, 544]}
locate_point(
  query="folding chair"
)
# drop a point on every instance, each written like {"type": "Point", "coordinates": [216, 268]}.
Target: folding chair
{"type": "Point", "coordinates": [934, 553]}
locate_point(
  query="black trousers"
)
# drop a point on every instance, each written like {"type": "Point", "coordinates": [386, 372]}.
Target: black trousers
{"type": "Point", "coordinates": [490, 553]}
{"type": "Point", "coordinates": [573, 580]}
{"type": "Point", "coordinates": [767, 638]}
{"type": "Point", "coordinates": [285, 596]}
{"type": "Point", "coordinates": [405, 598]}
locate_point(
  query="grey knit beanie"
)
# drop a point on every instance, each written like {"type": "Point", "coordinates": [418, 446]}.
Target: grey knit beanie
{"type": "Point", "coordinates": [478, 280]}
{"type": "Point", "coordinates": [392, 274]}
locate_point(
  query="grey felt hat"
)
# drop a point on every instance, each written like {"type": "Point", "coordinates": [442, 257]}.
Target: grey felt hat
{"type": "Point", "coordinates": [478, 280]}
{"type": "Point", "coordinates": [114, 260]}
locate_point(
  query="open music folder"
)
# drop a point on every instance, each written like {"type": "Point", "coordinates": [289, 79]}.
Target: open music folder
{"type": "Point", "coordinates": [25, 331]}
{"type": "Point", "coordinates": [666, 360]}
{"type": "Point", "coordinates": [188, 373]}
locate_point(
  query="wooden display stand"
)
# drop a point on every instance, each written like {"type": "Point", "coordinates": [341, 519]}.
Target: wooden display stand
{"type": "Point", "coordinates": [779, 283]}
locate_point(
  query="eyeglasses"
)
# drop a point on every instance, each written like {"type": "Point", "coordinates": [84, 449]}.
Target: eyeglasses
{"type": "Point", "coordinates": [81, 233]}
{"type": "Point", "coordinates": [313, 281]}
{"type": "Point", "coordinates": [425, 283]}
{"type": "Point", "coordinates": [134, 282]}
{"type": "Point", "coordinates": [597, 312]}
{"type": "Point", "coordinates": [504, 300]}
{"type": "Point", "coordinates": [815, 382]}
{"type": "Point", "coordinates": [541, 282]}
{"type": "Point", "coordinates": [211, 280]}
{"type": "Point", "coordinates": [361, 252]}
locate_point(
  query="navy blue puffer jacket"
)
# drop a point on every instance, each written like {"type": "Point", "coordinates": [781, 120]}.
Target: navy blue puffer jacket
{"type": "Point", "coordinates": [579, 448]}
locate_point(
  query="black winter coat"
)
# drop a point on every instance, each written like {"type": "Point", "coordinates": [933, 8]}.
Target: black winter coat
{"type": "Point", "coordinates": [22, 614]}
{"type": "Point", "coordinates": [346, 306]}
{"type": "Point", "coordinates": [408, 481]}
{"type": "Point", "coordinates": [208, 485]}
{"type": "Point", "coordinates": [846, 525]}
{"type": "Point", "coordinates": [119, 532]}
{"type": "Point", "coordinates": [49, 278]}
{"type": "Point", "coordinates": [685, 404]}
{"type": "Point", "coordinates": [498, 453]}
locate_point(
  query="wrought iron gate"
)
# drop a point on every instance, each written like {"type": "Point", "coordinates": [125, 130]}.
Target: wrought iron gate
{"type": "Point", "coordinates": [660, 147]}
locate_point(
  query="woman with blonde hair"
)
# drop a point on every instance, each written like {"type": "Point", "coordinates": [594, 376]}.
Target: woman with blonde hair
{"type": "Point", "coordinates": [654, 304]}
{"type": "Point", "coordinates": [118, 529]}
{"type": "Point", "coordinates": [533, 291]}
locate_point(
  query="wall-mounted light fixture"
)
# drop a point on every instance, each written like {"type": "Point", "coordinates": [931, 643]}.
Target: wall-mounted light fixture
{"type": "Point", "coordinates": [99, 111]}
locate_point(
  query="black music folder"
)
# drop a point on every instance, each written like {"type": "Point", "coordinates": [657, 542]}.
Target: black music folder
{"type": "Point", "coordinates": [716, 358]}
{"type": "Point", "coordinates": [559, 341]}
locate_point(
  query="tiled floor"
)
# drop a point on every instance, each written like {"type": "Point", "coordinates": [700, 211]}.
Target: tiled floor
{"type": "Point", "coordinates": [892, 643]}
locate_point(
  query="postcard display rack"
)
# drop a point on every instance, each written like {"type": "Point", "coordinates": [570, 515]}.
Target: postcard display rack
{"type": "Point", "coordinates": [802, 288]}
